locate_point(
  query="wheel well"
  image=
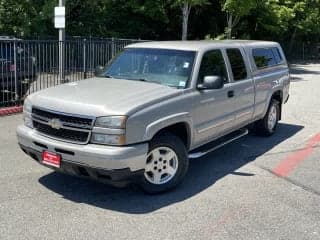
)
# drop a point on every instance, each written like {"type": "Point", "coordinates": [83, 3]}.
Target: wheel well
{"type": "Point", "coordinates": [278, 96]}
{"type": "Point", "coordinates": [181, 130]}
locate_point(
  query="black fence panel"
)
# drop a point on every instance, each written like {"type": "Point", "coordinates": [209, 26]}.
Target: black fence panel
{"type": "Point", "coordinates": [27, 66]}
{"type": "Point", "coordinates": [301, 51]}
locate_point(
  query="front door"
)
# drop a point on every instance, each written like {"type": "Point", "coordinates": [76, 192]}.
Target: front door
{"type": "Point", "coordinates": [213, 112]}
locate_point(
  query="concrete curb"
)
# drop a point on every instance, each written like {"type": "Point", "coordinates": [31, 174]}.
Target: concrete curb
{"type": "Point", "coordinates": [10, 110]}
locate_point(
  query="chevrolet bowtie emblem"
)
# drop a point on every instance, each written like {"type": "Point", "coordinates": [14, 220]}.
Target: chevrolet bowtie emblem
{"type": "Point", "coordinates": [55, 123]}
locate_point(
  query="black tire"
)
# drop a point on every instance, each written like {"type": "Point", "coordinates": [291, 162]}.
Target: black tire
{"type": "Point", "coordinates": [173, 142]}
{"type": "Point", "coordinates": [22, 90]}
{"type": "Point", "coordinates": [262, 127]}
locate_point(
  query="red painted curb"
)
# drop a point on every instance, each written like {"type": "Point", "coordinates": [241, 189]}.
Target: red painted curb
{"type": "Point", "coordinates": [294, 159]}
{"type": "Point", "coordinates": [10, 110]}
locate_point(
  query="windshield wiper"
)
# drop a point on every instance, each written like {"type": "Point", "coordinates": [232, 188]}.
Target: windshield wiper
{"type": "Point", "coordinates": [141, 80]}
{"type": "Point", "coordinates": [152, 81]}
{"type": "Point", "coordinates": [144, 80]}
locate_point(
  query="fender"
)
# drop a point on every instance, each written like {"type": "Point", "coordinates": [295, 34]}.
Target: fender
{"type": "Point", "coordinates": [167, 121]}
{"type": "Point", "coordinates": [274, 90]}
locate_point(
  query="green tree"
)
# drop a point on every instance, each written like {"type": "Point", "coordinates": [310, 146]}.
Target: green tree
{"type": "Point", "coordinates": [287, 21]}
{"type": "Point", "coordinates": [186, 6]}
{"type": "Point", "coordinates": [122, 18]}
{"type": "Point", "coordinates": [25, 17]}
{"type": "Point", "coordinates": [305, 22]}
{"type": "Point", "coordinates": [235, 9]}
{"type": "Point", "coordinates": [14, 17]}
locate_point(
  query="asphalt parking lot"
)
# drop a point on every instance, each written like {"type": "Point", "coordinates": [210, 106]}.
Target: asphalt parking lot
{"type": "Point", "coordinates": [253, 188]}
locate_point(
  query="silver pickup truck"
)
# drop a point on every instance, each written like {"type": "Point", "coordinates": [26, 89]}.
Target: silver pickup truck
{"type": "Point", "coordinates": [155, 106]}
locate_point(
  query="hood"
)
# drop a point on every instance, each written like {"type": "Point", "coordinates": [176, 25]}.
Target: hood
{"type": "Point", "coordinates": [102, 96]}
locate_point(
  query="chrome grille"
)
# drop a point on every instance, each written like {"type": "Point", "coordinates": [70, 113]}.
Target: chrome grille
{"type": "Point", "coordinates": [65, 127]}
{"type": "Point", "coordinates": [65, 134]}
{"type": "Point", "coordinates": [67, 120]}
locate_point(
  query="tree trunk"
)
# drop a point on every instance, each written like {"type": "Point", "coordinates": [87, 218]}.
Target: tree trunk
{"type": "Point", "coordinates": [229, 27]}
{"type": "Point", "coordinates": [292, 39]}
{"type": "Point", "coordinates": [232, 22]}
{"type": "Point", "coordinates": [185, 18]}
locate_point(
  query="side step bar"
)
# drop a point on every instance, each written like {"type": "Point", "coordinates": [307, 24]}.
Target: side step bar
{"type": "Point", "coordinates": [209, 147]}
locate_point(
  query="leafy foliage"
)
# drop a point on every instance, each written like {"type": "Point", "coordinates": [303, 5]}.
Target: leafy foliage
{"type": "Point", "coordinates": [186, 6]}
{"type": "Point", "coordinates": [281, 20]}
{"type": "Point", "coordinates": [236, 9]}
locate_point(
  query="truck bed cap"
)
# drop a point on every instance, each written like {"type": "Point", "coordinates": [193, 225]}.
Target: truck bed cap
{"type": "Point", "coordinates": [199, 45]}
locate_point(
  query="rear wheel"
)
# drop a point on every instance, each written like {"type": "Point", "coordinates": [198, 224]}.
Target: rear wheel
{"type": "Point", "coordinates": [166, 164]}
{"type": "Point", "coordinates": [267, 125]}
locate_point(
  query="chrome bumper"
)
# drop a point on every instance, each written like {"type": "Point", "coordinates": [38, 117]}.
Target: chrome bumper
{"type": "Point", "coordinates": [91, 155]}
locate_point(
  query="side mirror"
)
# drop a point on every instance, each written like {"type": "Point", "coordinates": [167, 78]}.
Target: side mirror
{"type": "Point", "coordinates": [211, 82]}
{"type": "Point", "coordinates": [98, 70]}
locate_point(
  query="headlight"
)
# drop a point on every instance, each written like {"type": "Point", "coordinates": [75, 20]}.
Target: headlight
{"type": "Point", "coordinates": [108, 139]}
{"type": "Point", "coordinates": [28, 121]}
{"type": "Point", "coordinates": [27, 106]}
{"type": "Point", "coordinates": [27, 110]}
{"type": "Point", "coordinates": [111, 122]}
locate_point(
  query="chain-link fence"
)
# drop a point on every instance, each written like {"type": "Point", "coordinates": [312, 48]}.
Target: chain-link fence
{"type": "Point", "coordinates": [27, 66]}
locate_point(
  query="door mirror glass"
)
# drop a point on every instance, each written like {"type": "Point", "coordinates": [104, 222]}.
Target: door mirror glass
{"type": "Point", "coordinates": [211, 82]}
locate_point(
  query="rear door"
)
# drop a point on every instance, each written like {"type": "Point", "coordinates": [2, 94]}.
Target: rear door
{"type": "Point", "coordinates": [242, 87]}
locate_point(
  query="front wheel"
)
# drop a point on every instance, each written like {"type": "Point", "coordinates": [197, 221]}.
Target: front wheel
{"type": "Point", "coordinates": [267, 125]}
{"type": "Point", "coordinates": [166, 164]}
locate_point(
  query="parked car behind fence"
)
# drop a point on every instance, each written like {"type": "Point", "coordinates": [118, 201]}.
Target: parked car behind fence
{"type": "Point", "coordinates": [18, 69]}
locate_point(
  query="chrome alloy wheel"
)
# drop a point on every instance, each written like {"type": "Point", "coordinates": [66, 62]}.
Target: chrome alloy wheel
{"type": "Point", "coordinates": [272, 117]}
{"type": "Point", "coordinates": [161, 166]}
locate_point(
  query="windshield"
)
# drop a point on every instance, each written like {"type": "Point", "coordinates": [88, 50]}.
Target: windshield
{"type": "Point", "coordinates": [163, 66]}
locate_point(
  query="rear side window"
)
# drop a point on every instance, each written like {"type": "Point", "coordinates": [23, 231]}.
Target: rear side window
{"type": "Point", "coordinates": [266, 57]}
{"type": "Point", "coordinates": [213, 65]}
{"type": "Point", "coordinates": [238, 66]}
{"type": "Point", "coordinates": [277, 55]}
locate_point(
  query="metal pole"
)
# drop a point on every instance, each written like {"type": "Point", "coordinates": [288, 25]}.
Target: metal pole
{"type": "Point", "coordinates": [112, 47]}
{"type": "Point", "coordinates": [303, 51]}
{"type": "Point", "coordinates": [61, 48]}
{"type": "Point", "coordinates": [15, 70]}
{"type": "Point", "coordinates": [84, 59]}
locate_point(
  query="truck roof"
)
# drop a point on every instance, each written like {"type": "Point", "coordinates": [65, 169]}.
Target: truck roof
{"type": "Point", "coordinates": [200, 45]}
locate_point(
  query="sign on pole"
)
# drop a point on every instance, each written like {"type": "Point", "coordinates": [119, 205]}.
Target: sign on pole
{"type": "Point", "coordinates": [59, 17]}
{"type": "Point", "coordinates": [60, 23]}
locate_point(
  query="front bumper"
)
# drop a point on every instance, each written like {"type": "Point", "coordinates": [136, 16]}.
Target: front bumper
{"type": "Point", "coordinates": [130, 159]}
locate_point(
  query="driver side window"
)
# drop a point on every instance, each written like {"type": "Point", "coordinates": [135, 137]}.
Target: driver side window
{"type": "Point", "coordinates": [213, 65]}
